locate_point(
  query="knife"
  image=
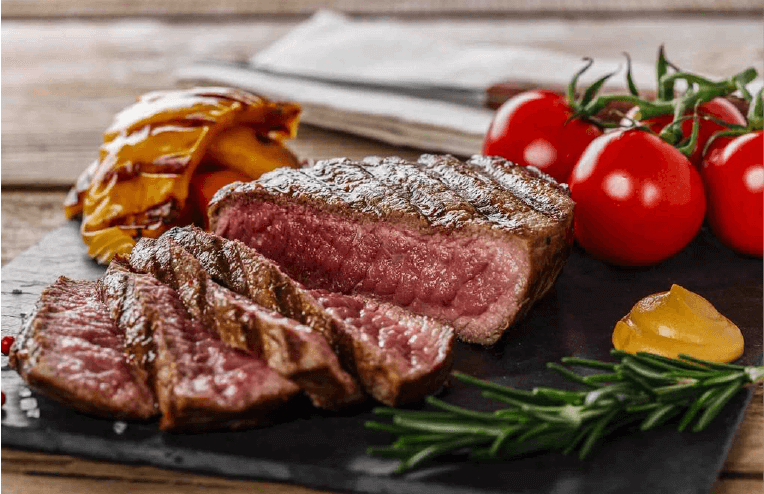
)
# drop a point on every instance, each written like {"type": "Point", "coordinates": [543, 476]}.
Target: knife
{"type": "Point", "coordinates": [491, 97]}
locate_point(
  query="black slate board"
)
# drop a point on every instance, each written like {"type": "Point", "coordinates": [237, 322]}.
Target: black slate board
{"type": "Point", "coordinates": [327, 451]}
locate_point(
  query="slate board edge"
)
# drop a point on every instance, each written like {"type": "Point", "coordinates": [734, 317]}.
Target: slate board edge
{"type": "Point", "coordinates": [318, 477]}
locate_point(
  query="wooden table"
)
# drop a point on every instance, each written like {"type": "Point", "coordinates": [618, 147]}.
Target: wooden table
{"type": "Point", "coordinates": [64, 78]}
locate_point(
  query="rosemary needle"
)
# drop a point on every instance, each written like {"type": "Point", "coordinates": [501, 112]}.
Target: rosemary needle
{"type": "Point", "coordinates": [641, 389]}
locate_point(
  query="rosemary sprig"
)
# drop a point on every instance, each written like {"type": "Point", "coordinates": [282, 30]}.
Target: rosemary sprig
{"type": "Point", "coordinates": [642, 390]}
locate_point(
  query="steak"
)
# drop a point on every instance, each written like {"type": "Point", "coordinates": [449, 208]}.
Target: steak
{"type": "Point", "coordinates": [472, 244]}
{"type": "Point", "coordinates": [293, 350]}
{"type": "Point", "coordinates": [199, 381]}
{"type": "Point", "coordinates": [71, 351]}
{"type": "Point", "coordinates": [397, 356]}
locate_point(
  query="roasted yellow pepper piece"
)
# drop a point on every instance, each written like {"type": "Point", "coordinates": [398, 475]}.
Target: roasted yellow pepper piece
{"type": "Point", "coordinates": [139, 186]}
{"type": "Point", "coordinates": [678, 321]}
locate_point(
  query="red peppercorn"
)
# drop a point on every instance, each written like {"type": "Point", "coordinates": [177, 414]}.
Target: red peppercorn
{"type": "Point", "coordinates": [5, 344]}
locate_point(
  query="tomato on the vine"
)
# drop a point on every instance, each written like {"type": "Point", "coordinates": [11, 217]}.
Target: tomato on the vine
{"type": "Point", "coordinates": [638, 199]}
{"type": "Point", "coordinates": [718, 108]}
{"type": "Point", "coordinates": [534, 128]}
{"type": "Point", "coordinates": [733, 174]}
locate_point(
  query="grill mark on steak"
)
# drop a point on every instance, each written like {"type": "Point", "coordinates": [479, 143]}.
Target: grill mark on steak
{"type": "Point", "coordinates": [200, 382]}
{"type": "Point", "coordinates": [392, 374]}
{"type": "Point", "coordinates": [251, 275]}
{"type": "Point", "coordinates": [114, 288]}
{"type": "Point", "coordinates": [406, 234]}
{"type": "Point", "coordinates": [487, 196]}
{"type": "Point", "coordinates": [437, 203]}
{"type": "Point", "coordinates": [72, 351]}
{"type": "Point", "coordinates": [499, 205]}
{"type": "Point", "coordinates": [292, 349]}
{"type": "Point", "coordinates": [356, 186]}
{"type": "Point", "coordinates": [536, 189]}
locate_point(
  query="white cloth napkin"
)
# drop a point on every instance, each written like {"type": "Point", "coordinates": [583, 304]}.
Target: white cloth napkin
{"type": "Point", "coordinates": [330, 45]}
{"type": "Point", "coordinates": [388, 51]}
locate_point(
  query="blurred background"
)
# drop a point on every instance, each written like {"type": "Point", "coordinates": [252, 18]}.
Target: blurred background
{"type": "Point", "coordinates": [68, 66]}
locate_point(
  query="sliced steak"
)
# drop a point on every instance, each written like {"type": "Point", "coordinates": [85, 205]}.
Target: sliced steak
{"type": "Point", "coordinates": [398, 357]}
{"type": "Point", "coordinates": [474, 248]}
{"type": "Point", "coordinates": [401, 356]}
{"type": "Point", "coordinates": [71, 351]}
{"type": "Point", "coordinates": [290, 348]}
{"type": "Point", "coordinates": [199, 381]}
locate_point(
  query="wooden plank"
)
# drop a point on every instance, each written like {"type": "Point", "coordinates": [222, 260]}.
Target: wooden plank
{"type": "Point", "coordinates": [747, 453]}
{"type": "Point", "coordinates": [42, 473]}
{"type": "Point", "coordinates": [64, 81]}
{"type": "Point", "coordinates": [26, 218]}
{"type": "Point", "coordinates": [738, 486]}
{"type": "Point", "coordinates": [60, 8]}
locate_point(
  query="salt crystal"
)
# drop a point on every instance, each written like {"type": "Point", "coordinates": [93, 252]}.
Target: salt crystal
{"type": "Point", "coordinates": [28, 404]}
{"type": "Point", "coordinates": [120, 427]}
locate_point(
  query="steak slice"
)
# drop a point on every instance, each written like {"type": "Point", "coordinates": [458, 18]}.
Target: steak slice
{"type": "Point", "coordinates": [71, 351]}
{"type": "Point", "coordinates": [293, 350]}
{"type": "Point", "coordinates": [199, 381]}
{"type": "Point", "coordinates": [509, 204]}
{"type": "Point", "coordinates": [398, 357]}
{"type": "Point", "coordinates": [474, 248]}
{"type": "Point", "coordinates": [401, 356]}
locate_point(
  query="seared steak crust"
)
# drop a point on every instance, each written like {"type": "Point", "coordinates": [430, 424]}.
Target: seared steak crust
{"type": "Point", "coordinates": [240, 269]}
{"type": "Point", "coordinates": [398, 357]}
{"type": "Point", "coordinates": [473, 244]}
{"type": "Point", "coordinates": [290, 348]}
{"type": "Point", "coordinates": [536, 210]}
{"type": "Point", "coordinates": [199, 381]}
{"type": "Point", "coordinates": [72, 351]}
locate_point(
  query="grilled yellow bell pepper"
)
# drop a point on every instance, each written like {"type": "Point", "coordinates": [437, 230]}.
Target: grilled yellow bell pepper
{"type": "Point", "coordinates": [154, 150]}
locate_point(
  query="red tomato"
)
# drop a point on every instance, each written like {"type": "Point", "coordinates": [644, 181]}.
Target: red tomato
{"type": "Point", "coordinates": [6, 343]}
{"type": "Point", "coordinates": [733, 174]}
{"type": "Point", "coordinates": [638, 199]}
{"type": "Point", "coordinates": [718, 108]}
{"type": "Point", "coordinates": [532, 129]}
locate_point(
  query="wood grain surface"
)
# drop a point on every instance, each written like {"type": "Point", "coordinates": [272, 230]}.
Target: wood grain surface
{"type": "Point", "coordinates": [66, 8]}
{"type": "Point", "coordinates": [63, 80]}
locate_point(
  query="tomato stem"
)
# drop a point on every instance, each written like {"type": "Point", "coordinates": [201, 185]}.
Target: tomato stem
{"type": "Point", "coordinates": [666, 89]}
{"type": "Point", "coordinates": [571, 93]}
{"type": "Point", "coordinates": [629, 79]}
{"type": "Point", "coordinates": [756, 112]}
{"type": "Point", "coordinates": [689, 148]}
{"type": "Point", "coordinates": [699, 90]}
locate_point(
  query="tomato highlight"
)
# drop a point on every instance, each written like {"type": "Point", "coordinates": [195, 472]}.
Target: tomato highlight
{"type": "Point", "coordinates": [733, 175]}
{"type": "Point", "coordinates": [534, 128]}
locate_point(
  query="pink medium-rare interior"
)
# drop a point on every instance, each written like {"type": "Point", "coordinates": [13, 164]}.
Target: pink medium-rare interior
{"type": "Point", "coordinates": [195, 368]}
{"type": "Point", "coordinates": [210, 370]}
{"type": "Point", "coordinates": [83, 350]}
{"type": "Point", "coordinates": [411, 343]}
{"type": "Point", "coordinates": [472, 282]}
{"type": "Point", "coordinates": [206, 368]}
